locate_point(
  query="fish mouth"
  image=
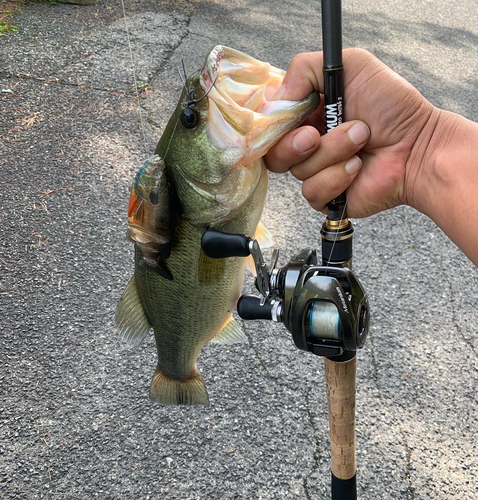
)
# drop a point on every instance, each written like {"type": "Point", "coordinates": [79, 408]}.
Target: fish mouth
{"type": "Point", "coordinates": [242, 116]}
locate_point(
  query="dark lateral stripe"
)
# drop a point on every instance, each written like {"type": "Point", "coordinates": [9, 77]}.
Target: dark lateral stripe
{"type": "Point", "coordinates": [344, 489]}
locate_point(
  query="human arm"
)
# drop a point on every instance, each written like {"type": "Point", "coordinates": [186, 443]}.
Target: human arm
{"type": "Point", "coordinates": [446, 188]}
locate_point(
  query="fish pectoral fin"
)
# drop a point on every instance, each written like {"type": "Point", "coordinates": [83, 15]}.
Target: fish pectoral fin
{"type": "Point", "coordinates": [263, 236]}
{"type": "Point", "coordinates": [131, 320]}
{"type": "Point", "coordinates": [230, 333]}
{"type": "Point", "coordinates": [158, 267]}
{"type": "Point", "coordinates": [169, 391]}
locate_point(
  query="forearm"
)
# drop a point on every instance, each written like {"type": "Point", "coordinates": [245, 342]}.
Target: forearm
{"type": "Point", "coordinates": [446, 184]}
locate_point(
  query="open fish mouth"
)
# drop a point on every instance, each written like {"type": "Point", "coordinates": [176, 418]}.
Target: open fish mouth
{"type": "Point", "coordinates": [241, 113]}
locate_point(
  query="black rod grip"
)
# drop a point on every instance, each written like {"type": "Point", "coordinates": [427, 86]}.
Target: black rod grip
{"type": "Point", "coordinates": [249, 307]}
{"type": "Point", "coordinates": [344, 489]}
{"type": "Point", "coordinates": [219, 245]}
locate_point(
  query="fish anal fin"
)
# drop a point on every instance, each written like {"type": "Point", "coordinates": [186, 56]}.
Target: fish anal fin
{"type": "Point", "coordinates": [210, 270]}
{"type": "Point", "coordinates": [167, 391]}
{"type": "Point", "coordinates": [230, 333]}
{"type": "Point", "coordinates": [131, 320]}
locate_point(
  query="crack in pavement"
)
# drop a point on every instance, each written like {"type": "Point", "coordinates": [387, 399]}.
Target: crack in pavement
{"type": "Point", "coordinates": [408, 454]}
{"type": "Point", "coordinates": [316, 454]}
{"type": "Point", "coordinates": [166, 60]}
{"type": "Point", "coordinates": [259, 360]}
{"type": "Point", "coordinates": [380, 258]}
{"type": "Point", "coordinates": [454, 316]}
{"type": "Point", "coordinates": [375, 366]}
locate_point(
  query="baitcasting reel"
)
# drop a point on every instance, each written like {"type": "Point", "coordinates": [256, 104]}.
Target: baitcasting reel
{"type": "Point", "coordinates": [325, 308]}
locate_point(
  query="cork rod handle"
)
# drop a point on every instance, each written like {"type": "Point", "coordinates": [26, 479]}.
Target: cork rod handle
{"type": "Point", "coordinates": [341, 384]}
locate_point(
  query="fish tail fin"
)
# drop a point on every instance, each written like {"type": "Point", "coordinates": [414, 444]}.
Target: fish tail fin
{"type": "Point", "coordinates": [168, 391]}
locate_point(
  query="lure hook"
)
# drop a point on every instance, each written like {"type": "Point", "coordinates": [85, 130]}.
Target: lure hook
{"type": "Point", "coordinates": [183, 76]}
{"type": "Point", "coordinates": [194, 101]}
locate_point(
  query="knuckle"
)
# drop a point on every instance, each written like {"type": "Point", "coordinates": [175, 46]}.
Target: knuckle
{"type": "Point", "coordinates": [300, 59]}
{"type": "Point", "coordinates": [330, 185]}
{"type": "Point", "coordinates": [324, 187]}
{"type": "Point", "coordinates": [298, 172]}
{"type": "Point", "coordinates": [311, 190]}
{"type": "Point", "coordinates": [336, 146]}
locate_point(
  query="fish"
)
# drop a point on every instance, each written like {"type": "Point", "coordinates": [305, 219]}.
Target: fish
{"type": "Point", "coordinates": [207, 172]}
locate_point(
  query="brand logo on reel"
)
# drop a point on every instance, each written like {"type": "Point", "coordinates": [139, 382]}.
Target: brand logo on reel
{"type": "Point", "coordinates": [342, 298]}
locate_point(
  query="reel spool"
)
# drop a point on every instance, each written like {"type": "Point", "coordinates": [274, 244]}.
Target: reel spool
{"type": "Point", "coordinates": [323, 321]}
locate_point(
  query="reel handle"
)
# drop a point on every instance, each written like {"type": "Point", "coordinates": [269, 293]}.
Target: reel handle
{"type": "Point", "coordinates": [219, 245]}
{"type": "Point", "coordinates": [249, 307]}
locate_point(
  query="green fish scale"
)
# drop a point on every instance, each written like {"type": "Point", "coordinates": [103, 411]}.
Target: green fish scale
{"type": "Point", "coordinates": [186, 313]}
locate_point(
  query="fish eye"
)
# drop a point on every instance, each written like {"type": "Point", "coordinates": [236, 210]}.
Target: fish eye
{"type": "Point", "coordinates": [189, 118]}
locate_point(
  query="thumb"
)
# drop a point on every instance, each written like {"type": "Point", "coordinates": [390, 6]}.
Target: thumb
{"type": "Point", "coordinates": [303, 77]}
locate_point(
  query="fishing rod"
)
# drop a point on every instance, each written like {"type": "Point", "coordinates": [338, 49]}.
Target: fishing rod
{"type": "Point", "coordinates": [323, 306]}
{"type": "Point", "coordinates": [337, 235]}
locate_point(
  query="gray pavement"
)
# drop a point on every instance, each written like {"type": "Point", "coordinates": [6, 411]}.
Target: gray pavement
{"type": "Point", "coordinates": [75, 418]}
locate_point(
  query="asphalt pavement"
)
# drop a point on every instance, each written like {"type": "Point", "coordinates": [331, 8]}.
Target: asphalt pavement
{"type": "Point", "coordinates": [75, 418]}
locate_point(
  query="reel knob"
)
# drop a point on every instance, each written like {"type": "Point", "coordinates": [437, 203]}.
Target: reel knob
{"type": "Point", "coordinates": [219, 245]}
{"type": "Point", "coordinates": [249, 307]}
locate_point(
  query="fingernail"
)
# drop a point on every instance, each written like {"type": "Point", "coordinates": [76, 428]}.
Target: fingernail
{"type": "Point", "coordinates": [359, 133]}
{"type": "Point", "coordinates": [303, 141]}
{"type": "Point", "coordinates": [280, 92]}
{"type": "Point", "coordinates": [353, 165]}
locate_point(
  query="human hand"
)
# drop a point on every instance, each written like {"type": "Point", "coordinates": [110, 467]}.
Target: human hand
{"type": "Point", "coordinates": [377, 154]}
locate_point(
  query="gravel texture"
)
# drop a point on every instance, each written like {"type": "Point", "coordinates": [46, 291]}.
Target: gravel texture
{"type": "Point", "coordinates": [75, 418]}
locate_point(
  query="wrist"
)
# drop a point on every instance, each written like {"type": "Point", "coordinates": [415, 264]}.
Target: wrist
{"type": "Point", "coordinates": [419, 164]}
{"type": "Point", "coordinates": [428, 168]}
{"type": "Point", "coordinates": [443, 186]}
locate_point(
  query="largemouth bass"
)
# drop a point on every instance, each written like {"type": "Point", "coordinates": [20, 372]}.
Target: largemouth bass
{"type": "Point", "coordinates": [207, 173]}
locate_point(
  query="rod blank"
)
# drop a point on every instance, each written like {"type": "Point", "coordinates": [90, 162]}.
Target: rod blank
{"type": "Point", "coordinates": [332, 33]}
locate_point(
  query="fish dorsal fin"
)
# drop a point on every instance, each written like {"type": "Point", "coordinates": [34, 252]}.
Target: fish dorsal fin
{"type": "Point", "coordinates": [264, 238]}
{"type": "Point", "coordinates": [230, 333]}
{"type": "Point", "coordinates": [131, 321]}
